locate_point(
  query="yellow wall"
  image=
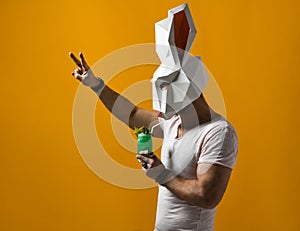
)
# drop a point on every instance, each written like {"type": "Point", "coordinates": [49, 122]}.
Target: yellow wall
{"type": "Point", "coordinates": [252, 49]}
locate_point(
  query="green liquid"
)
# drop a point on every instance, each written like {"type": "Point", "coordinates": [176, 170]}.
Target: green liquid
{"type": "Point", "coordinates": [144, 142]}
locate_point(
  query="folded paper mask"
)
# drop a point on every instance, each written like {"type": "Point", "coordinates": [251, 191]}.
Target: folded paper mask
{"type": "Point", "coordinates": [181, 77]}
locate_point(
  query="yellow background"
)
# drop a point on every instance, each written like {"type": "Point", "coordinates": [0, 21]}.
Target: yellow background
{"type": "Point", "coordinates": [252, 49]}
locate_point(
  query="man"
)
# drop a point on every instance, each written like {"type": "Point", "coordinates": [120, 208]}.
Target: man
{"type": "Point", "coordinates": [199, 148]}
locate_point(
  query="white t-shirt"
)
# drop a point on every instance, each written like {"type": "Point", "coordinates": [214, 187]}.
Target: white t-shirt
{"type": "Point", "coordinates": [214, 142]}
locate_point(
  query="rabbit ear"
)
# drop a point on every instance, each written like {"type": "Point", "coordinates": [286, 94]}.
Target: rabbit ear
{"type": "Point", "coordinates": [181, 30]}
{"type": "Point", "coordinates": [174, 36]}
{"type": "Point", "coordinates": [184, 31]}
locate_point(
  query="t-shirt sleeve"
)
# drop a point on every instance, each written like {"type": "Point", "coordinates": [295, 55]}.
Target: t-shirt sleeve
{"type": "Point", "coordinates": [219, 146]}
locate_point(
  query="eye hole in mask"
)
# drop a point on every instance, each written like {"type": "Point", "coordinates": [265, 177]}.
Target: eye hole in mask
{"type": "Point", "coordinates": [164, 82]}
{"type": "Point", "coordinates": [164, 86]}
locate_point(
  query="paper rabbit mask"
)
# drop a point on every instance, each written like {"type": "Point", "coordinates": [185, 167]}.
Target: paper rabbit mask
{"type": "Point", "coordinates": [181, 77]}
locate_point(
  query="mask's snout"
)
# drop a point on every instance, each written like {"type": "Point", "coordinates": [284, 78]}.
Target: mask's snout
{"type": "Point", "coordinates": [164, 95]}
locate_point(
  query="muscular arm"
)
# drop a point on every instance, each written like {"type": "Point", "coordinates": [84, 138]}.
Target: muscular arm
{"type": "Point", "coordinates": [126, 111]}
{"type": "Point", "coordinates": [207, 190]}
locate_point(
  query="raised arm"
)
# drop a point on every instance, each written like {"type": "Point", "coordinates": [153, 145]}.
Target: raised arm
{"type": "Point", "coordinates": [118, 105]}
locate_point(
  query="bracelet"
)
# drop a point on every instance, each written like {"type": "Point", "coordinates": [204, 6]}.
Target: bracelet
{"type": "Point", "coordinates": [99, 86]}
{"type": "Point", "coordinates": [164, 177]}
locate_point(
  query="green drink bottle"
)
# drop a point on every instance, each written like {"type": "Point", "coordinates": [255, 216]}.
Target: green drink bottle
{"type": "Point", "coordinates": [144, 142]}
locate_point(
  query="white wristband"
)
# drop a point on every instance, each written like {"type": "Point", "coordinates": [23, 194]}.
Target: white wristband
{"type": "Point", "coordinates": [164, 177]}
{"type": "Point", "coordinates": [99, 86]}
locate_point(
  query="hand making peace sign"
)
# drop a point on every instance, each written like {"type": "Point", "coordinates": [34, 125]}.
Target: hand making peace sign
{"type": "Point", "coordinates": [83, 72]}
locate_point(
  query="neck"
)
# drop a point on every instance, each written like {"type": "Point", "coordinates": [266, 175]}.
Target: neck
{"type": "Point", "coordinates": [195, 114]}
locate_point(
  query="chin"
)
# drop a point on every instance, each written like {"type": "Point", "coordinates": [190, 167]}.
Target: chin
{"type": "Point", "coordinates": [168, 115]}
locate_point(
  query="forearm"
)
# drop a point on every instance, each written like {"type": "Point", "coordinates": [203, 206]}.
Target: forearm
{"type": "Point", "coordinates": [125, 110]}
{"type": "Point", "coordinates": [118, 105]}
{"type": "Point", "coordinates": [191, 191]}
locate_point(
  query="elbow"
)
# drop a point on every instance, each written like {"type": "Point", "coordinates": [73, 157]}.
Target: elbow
{"type": "Point", "coordinates": [208, 200]}
{"type": "Point", "coordinates": [132, 117]}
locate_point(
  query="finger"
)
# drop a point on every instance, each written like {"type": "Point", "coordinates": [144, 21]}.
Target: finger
{"type": "Point", "coordinates": [151, 155]}
{"type": "Point", "coordinates": [76, 61]}
{"type": "Point", "coordinates": [83, 62]}
{"type": "Point", "coordinates": [77, 76]}
{"type": "Point", "coordinates": [147, 154]}
{"type": "Point", "coordinates": [78, 70]}
{"type": "Point", "coordinates": [145, 159]}
{"type": "Point", "coordinates": [144, 165]}
{"type": "Point", "coordinates": [142, 158]}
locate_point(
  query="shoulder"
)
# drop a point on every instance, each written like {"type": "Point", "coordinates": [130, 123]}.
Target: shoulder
{"type": "Point", "coordinates": [219, 144]}
{"type": "Point", "coordinates": [219, 127]}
